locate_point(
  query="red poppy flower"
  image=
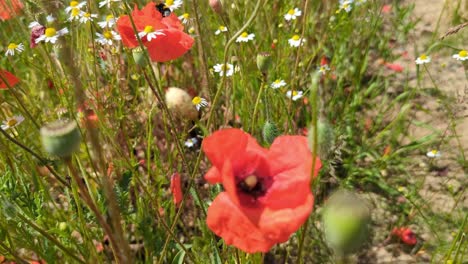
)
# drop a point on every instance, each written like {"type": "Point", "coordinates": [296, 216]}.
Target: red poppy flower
{"type": "Point", "coordinates": [9, 8]}
{"type": "Point", "coordinates": [394, 66]}
{"type": "Point", "coordinates": [267, 195]}
{"type": "Point", "coordinates": [406, 235]}
{"type": "Point", "coordinates": [11, 80]}
{"type": "Point", "coordinates": [176, 190]}
{"type": "Point", "coordinates": [170, 41]}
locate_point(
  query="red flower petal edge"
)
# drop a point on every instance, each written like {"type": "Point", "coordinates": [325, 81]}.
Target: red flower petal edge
{"type": "Point", "coordinates": [406, 235]}
{"type": "Point", "coordinates": [9, 8]}
{"type": "Point", "coordinates": [176, 189]}
{"type": "Point", "coordinates": [169, 45]}
{"type": "Point", "coordinates": [267, 193]}
{"type": "Point", "coordinates": [11, 80]}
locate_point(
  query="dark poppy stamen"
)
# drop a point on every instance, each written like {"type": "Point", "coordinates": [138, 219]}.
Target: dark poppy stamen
{"type": "Point", "coordinates": [252, 185]}
{"type": "Point", "coordinates": [163, 9]}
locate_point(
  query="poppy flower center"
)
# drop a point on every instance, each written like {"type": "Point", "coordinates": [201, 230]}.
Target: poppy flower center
{"type": "Point", "coordinates": [50, 32]}
{"type": "Point", "coordinates": [148, 29]}
{"type": "Point", "coordinates": [296, 37]}
{"type": "Point", "coordinates": [291, 11]}
{"type": "Point", "coordinates": [463, 53]}
{"type": "Point", "coordinates": [12, 122]}
{"type": "Point", "coordinates": [252, 185]}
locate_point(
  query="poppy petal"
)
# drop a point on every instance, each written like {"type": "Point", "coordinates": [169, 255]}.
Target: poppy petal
{"type": "Point", "coordinates": [213, 176]}
{"type": "Point", "coordinates": [7, 79]}
{"type": "Point", "coordinates": [176, 189]}
{"type": "Point", "coordinates": [228, 221]}
{"type": "Point", "coordinates": [174, 44]}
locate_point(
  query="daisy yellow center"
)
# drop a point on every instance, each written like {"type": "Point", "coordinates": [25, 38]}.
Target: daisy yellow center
{"type": "Point", "coordinates": [109, 17]}
{"type": "Point", "coordinates": [225, 67]}
{"type": "Point", "coordinates": [278, 81]}
{"type": "Point", "coordinates": [345, 5]}
{"type": "Point", "coordinates": [296, 37]}
{"type": "Point", "coordinates": [12, 122]}
{"type": "Point", "coordinates": [294, 93]}
{"type": "Point", "coordinates": [12, 46]}
{"type": "Point", "coordinates": [75, 11]}
{"type": "Point", "coordinates": [88, 15]}
{"type": "Point", "coordinates": [221, 28]}
{"type": "Point", "coordinates": [196, 100]}
{"type": "Point", "coordinates": [434, 151]}
{"type": "Point", "coordinates": [107, 35]}
{"type": "Point", "coordinates": [186, 15]}
{"type": "Point", "coordinates": [463, 54]}
{"type": "Point", "coordinates": [50, 32]}
{"type": "Point", "coordinates": [73, 3]}
{"type": "Point", "coordinates": [169, 2]}
{"type": "Point", "coordinates": [423, 57]}
{"type": "Point", "coordinates": [191, 30]}
{"type": "Point", "coordinates": [291, 12]}
{"type": "Point", "coordinates": [148, 29]}
{"type": "Point", "coordinates": [244, 34]}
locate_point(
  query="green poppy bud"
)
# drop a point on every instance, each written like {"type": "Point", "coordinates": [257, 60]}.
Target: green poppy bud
{"type": "Point", "coordinates": [346, 220]}
{"type": "Point", "coordinates": [270, 132]}
{"type": "Point", "coordinates": [325, 138]}
{"type": "Point", "coordinates": [264, 61]}
{"type": "Point", "coordinates": [139, 56]}
{"type": "Point", "coordinates": [61, 138]}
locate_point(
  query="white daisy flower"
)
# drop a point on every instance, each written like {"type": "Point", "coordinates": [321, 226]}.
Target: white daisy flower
{"type": "Point", "coordinates": [86, 17]}
{"type": "Point", "coordinates": [294, 95]}
{"type": "Point", "coordinates": [423, 59]}
{"type": "Point", "coordinates": [245, 37]}
{"type": "Point", "coordinates": [150, 33]}
{"type": "Point", "coordinates": [296, 41]}
{"type": "Point", "coordinates": [199, 102]}
{"type": "Point", "coordinates": [220, 30]}
{"type": "Point", "coordinates": [107, 3]}
{"type": "Point", "coordinates": [461, 56]}
{"type": "Point", "coordinates": [51, 35]}
{"type": "Point", "coordinates": [184, 18]}
{"type": "Point", "coordinates": [75, 14]}
{"type": "Point", "coordinates": [293, 14]}
{"type": "Point", "coordinates": [278, 83]}
{"type": "Point", "coordinates": [50, 18]}
{"type": "Point", "coordinates": [433, 154]}
{"type": "Point", "coordinates": [108, 23]}
{"type": "Point", "coordinates": [12, 47]}
{"type": "Point", "coordinates": [107, 37]}
{"type": "Point", "coordinates": [74, 4]}
{"type": "Point", "coordinates": [191, 142]}
{"type": "Point", "coordinates": [346, 5]}
{"type": "Point", "coordinates": [323, 69]}
{"type": "Point", "coordinates": [220, 69]}
{"type": "Point", "coordinates": [12, 122]}
{"type": "Point", "coordinates": [173, 4]}
{"type": "Point", "coordinates": [34, 24]}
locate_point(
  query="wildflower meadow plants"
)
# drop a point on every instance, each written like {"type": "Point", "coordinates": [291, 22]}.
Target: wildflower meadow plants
{"type": "Point", "coordinates": [196, 131]}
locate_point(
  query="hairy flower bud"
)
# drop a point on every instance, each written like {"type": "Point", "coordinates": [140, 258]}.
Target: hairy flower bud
{"type": "Point", "coordinates": [346, 220]}
{"type": "Point", "coordinates": [61, 138]}
{"type": "Point", "coordinates": [325, 138]}
{"type": "Point", "coordinates": [270, 132]}
{"type": "Point", "coordinates": [139, 56]}
{"type": "Point", "coordinates": [180, 103]}
{"type": "Point", "coordinates": [217, 6]}
{"type": "Point", "coordinates": [264, 62]}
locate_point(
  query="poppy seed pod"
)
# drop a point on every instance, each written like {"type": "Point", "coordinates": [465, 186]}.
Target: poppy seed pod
{"type": "Point", "coordinates": [264, 62]}
{"type": "Point", "coordinates": [216, 5]}
{"type": "Point", "coordinates": [180, 103]}
{"type": "Point", "coordinates": [61, 138]}
{"type": "Point", "coordinates": [270, 132]}
{"type": "Point", "coordinates": [346, 220]}
{"type": "Point", "coordinates": [325, 138]}
{"type": "Point", "coordinates": [139, 56]}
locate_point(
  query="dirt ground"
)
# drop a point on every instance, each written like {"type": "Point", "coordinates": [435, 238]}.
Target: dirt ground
{"type": "Point", "coordinates": [444, 188]}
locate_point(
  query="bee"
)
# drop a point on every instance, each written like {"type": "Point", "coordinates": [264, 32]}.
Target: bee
{"type": "Point", "coordinates": [163, 9]}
